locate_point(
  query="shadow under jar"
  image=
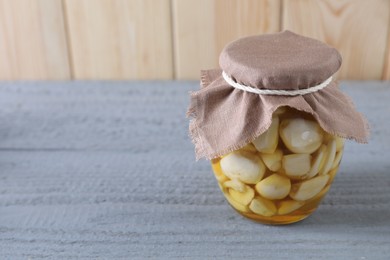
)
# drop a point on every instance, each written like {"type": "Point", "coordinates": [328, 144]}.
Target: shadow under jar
{"type": "Point", "coordinates": [282, 176]}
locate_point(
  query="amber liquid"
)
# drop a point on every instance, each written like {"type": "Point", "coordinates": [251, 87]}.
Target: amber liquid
{"type": "Point", "coordinates": [308, 207]}
{"type": "Point", "coordinates": [303, 212]}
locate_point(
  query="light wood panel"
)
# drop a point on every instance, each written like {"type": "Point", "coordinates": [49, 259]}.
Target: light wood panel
{"type": "Point", "coordinates": [386, 67]}
{"type": "Point", "coordinates": [357, 28]}
{"type": "Point", "coordinates": [134, 39]}
{"type": "Point", "coordinates": [203, 27]}
{"type": "Point", "coordinates": [120, 39]}
{"type": "Point", "coordinates": [32, 40]}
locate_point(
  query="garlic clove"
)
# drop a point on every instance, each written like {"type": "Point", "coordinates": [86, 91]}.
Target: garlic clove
{"type": "Point", "coordinates": [329, 157]}
{"type": "Point", "coordinates": [320, 195]}
{"type": "Point", "coordinates": [274, 187]}
{"type": "Point", "coordinates": [308, 189]}
{"type": "Point", "coordinates": [318, 162]}
{"type": "Point", "coordinates": [301, 135]}
{"type": "Point", "coordinates": [249, 148]}
{"type": "Point", "coordinates": [339, 143]}
{"type": "Point", "coordinates": [273, 161]}
{"type": "Point", "coordinates": [337, 159]}
{"type": "Point", "coordinates": [218, 171]}
{"type": "Point", "coordinates": [289, 206]}
{"type": "Point", "coordinates": [268, 141]}
{"type": "Point", "coordinates": [332, 174]}
{"type": "Point", "coordinates": [244, 166]}
{"type": "Point", "coordinates": [244, 197]}
{"type": "Point", "coordinates": [223, 189]}
{"type": "Point", "coordinates": [235, 184]}
{"type": "Point", "coordinates": [296, 165]}
{"type": "Point", "coordinates": [263, 207]}
{"type": "Point", "coordinates": [280, 111]}
{"type": "Point", "coordinates": [235, 204]}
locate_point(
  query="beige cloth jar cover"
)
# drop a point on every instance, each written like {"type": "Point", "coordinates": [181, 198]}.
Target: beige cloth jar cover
{"type": "Point", "coordinates": [225, 118]}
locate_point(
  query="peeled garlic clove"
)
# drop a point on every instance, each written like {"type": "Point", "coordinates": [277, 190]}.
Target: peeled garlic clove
{"type": "Point", "coordinates": [329, 157]}
{"type": "Point", "coordinates": [289, 206]}
{"type": "Point", "coordinates": [223, 189]}
{"type": "Point", "coordinates": [249, 148]}
{"type": "Point", "coordinates": [263, 207]}
{"type": "Point", "coordinates": [280, 111]}
{"type": "Point", "coordinates": [332, 174]}
{"type": "Point", "coordinates": [273, 161]}
{"type": "Point", "coordinates": [320, 195]}
{"type": "Point", "coordinates": [339, 143]}
{"type": "Point", "coordinates": [243, 197]}
{"type": "Point", "coordinates": [274, 187]}
{"type": "Point", "coordinates": [238, 206]}
{"type": "Point", "coordinates": [301, 135]}
{"type": "Point", "coordinates": [244, 166]}
{"type": "Point", "coordinates": [318, 162]}
{"type": "Point", "coordinates": [308, 189]}
{"type": "Point", "coordinates": [268, 141]}
{"type": "Point", "coordinates": [337, 159]}
{"type": "Point", "coordinates": [218, 171]}
{"type": "Point", "coordinates": [296, 165]}
{"type": "Point", "coordinates": [235, 184]}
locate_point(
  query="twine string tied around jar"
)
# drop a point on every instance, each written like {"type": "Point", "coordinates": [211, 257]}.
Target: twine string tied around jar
{"type": "Point", "coordinates": [279, 92]}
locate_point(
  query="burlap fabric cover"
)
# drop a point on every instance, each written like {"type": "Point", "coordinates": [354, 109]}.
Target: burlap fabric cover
{"type": "Point", "coordinates": [225, 119]}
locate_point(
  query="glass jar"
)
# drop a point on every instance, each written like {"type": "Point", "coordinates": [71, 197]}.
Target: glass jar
{"type": "Point", "coordinates": [282, 176]}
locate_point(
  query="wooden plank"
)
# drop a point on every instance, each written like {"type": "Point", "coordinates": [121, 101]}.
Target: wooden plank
{"type": "Point", "coordinates": [386, 68]}
{"type": "Point", "coordinates": [120, 39]}
{"type": "Point", "coordinates": [106, 170]}
{"type": "Point", "coordinates": [357, 28]}
{"type": "Point", "coordinates": [32, 40]}
{"type": "Point", "coordinates": [203, 27]}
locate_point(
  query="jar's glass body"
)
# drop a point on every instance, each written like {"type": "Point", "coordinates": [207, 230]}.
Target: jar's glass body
{"type": "Point", "coordinates": [282, 176]}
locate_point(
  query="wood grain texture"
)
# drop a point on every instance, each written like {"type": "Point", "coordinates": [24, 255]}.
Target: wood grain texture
{"type": "Point", "coordinates": [202, 28]}
{"type": "Point", "coordinates": [102, 170]}
{"type": "Point", "coordinates": [120, 39]}
{"type": "Point", "coordinates": [32, 40]}
{"type": "Point", "coordinates": [386, 67]}
{"type": "Point", "coordinates": [357, 28]}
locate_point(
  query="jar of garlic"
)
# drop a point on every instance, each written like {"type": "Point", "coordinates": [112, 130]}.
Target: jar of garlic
{"type": "Point", "coordinates": [273, 123]}
{"type": "Point", "coordinates": [282, 175]}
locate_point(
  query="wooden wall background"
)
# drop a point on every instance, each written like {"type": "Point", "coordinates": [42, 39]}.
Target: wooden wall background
{"type": "Point", "coordinates": [174, 39]}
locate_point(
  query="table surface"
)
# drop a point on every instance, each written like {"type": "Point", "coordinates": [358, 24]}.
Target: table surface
{"type": "Point", "coordinates": [106, 170]}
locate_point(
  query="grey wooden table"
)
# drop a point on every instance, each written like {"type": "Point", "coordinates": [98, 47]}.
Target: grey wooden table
{"type": "Point", "coordinates": [106, 170]}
